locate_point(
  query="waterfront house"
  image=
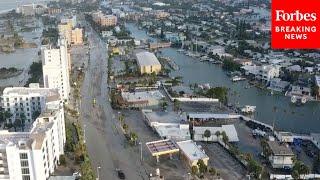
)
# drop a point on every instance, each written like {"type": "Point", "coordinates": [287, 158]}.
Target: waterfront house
{"type": "Point", "coordinates": [300, 90]}
{"type": "Point", "coordinates": [243, 62]}
{"type": "Point", "coordinates": [281, 155]}
{"type": "Point", "coordinates": [264, 73]}
{"type": "Point", "coordinates": [276, 84]}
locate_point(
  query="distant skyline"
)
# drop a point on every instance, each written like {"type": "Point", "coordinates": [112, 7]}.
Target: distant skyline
{"type": "Point", "coordinates": [6, 5]}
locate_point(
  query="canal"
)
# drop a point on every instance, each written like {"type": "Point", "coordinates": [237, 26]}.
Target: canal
{"type": "Point", "coordinates": [270, 108]}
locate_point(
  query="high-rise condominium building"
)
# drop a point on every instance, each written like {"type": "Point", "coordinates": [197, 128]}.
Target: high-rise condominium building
{"type": "Point", "coordinates": [56, 66]}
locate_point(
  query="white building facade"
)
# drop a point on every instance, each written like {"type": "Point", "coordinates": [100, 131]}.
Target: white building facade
{"type": "Point", "coordinates": [27, 102]}
{"type": "Point", "coordinates": [55, 66]}
{"type": "Point", "coordinates": [34, 154]}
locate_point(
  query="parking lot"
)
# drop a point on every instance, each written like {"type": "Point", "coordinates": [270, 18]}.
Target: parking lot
{"type": "Point", "coordinates": [227, 166]}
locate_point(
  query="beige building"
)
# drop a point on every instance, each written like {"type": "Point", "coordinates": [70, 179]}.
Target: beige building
{"type": "Point", "coordinates": [191, 153]}
{"type": "Point", "coordinates": [104, 20]}
{"type": "Point", "coordinates": [77, 36]}
{"type": "Point", "coordinates": [161, 14]}
{"type": "Point", "coordinates": [65, 29]}
{"type": "Point", "coordinates": [148, 63]}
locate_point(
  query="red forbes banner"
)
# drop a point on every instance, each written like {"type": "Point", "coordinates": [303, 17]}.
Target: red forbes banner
{"type": "Point", "coordinates": [295, 24]}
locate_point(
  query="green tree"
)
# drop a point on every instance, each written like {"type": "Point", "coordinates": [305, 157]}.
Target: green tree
{"type": "Point", "coordinates": [194, 170]}
{"type": "Point", "coordinates": [299, 169]}
{"type": "Point", "coordinates": [220, 93]}
{"type": "Point", "coordinates": [217, 133]}
{"type": "Point", "coordinates": [202, 166]}
{"type": "Point", "coordinates": [254, 168]}
{"type": "Point", "coordinates": [121, 118]}
{"type": "Point", "coordinates": [212, 171]}
{"type": "Point", "coordinates": [17, 124]}
{"type": "Point", "coordinates": [86, 171]}
{"type": "Point", "coordinates": [4, 115]}
{"type": "Point", "coordinates": [207, 134]}
{"type": "Point", "coordinates": [125, 127]}
{"type": "Point", "coordinates": [133, 138]}
{"type": "Point", "coordinates": [176, 105]}
{"type": "Point", "coordinates": [62, 160]}
{"type": "Point", "coordinates": [230, 65]}
{"type": "Point", "coordinates": [225, 137]}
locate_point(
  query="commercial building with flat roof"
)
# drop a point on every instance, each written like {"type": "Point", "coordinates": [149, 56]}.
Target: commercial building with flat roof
{"type": "Point", "coordinates": [230, 131]}
{"type": "Point", "coordinates": [168, 125]}
{"type": "Point", "coordinates": [192, 153]}
{"type": "Point", "coordinates": [148, 63]}
{"type": "Point", "coordinates": [281, 155]}
{"type": "Point", "coordinates": [142, 98]}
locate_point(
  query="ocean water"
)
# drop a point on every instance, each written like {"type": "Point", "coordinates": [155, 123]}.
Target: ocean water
{"type": "Point", "coordinates": [6, 5]}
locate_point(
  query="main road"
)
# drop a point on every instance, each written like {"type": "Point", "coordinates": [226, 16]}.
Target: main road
{"type": "Point", "coordinates": [105, 142]}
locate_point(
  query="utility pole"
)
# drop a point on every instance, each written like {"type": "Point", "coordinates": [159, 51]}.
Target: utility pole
{"type": "Point", "coordinates": [140, 143]}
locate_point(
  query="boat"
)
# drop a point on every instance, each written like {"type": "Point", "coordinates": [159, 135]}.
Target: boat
{"type": "Point", "coordinates": [248, 109]}
{"type": "Point", "coordinates": [237, 78]}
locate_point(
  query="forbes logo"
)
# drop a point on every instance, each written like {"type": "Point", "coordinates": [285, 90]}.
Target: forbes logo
{"type": "Point", "coordinates": [281, 15]}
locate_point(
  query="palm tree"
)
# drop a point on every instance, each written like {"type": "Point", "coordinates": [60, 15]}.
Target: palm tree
{"type": "Point", "coordinates": [121, 118]}
{"type": "Point", "coordinates": [217, 133]}
{"type": "Point", "coordinates": [207, 134]}
{"type": "Point", "coordinates": [17, 123]}
{"type": "Point", "coordinates": [133, 137]}
{"type": "Point", "coordinates": [176, 104]}
{"type": "Point", "coordinates": [225, 138]}
{"type": "Point", "coordinates": [125, 127]}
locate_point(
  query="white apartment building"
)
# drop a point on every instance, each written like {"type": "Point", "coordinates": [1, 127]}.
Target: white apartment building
{"type": "Point", "coordinates": [29, 102]}
{"type": "Point", "coordinates": [55, 66]}
{"type": "Point", "coordinates": [34, 154]}
{"type": "Point", "coordinates": [264, 72]}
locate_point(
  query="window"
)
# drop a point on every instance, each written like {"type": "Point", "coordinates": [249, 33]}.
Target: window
{"type": "Point", "coordinates": [26, 177]}
{"type": "Point", "coordinates": [24, 164]}
{"type": "Point", "coordinates": [23, 156]}
{"type": "Point", "coordinates": [25, 171]}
